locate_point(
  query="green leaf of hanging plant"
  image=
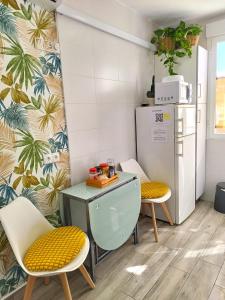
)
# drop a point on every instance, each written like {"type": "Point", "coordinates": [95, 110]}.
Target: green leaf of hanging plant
{"type": "Point", "coordinates": [180, 54]}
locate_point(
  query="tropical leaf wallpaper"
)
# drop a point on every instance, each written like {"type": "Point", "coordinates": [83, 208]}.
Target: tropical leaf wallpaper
{"type": "Point", "coordinates": [32, 121]}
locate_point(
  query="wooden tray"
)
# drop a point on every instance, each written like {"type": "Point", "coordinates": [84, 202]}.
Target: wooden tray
{"type": "Point", "coordinates": [101, 183]}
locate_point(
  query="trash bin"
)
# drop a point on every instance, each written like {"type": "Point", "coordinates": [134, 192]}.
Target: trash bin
{"type": "Point", "coordinates": [219, 204]}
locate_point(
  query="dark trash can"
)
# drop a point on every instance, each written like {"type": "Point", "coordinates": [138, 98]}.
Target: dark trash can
{"type": "Point", "coordinates": [219, 204]}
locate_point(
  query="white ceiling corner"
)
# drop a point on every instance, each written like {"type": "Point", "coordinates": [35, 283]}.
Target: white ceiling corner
{"type": "Point", "coordinates": [165, 12]}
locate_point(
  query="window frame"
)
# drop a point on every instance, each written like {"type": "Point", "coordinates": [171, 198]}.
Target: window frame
{"type": "Point", "coordinates": [212, 64]}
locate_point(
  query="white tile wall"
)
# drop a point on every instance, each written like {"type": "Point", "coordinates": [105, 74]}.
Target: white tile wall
{"type": "Point", "coordinates": [105, 78]}
{"type": "Point", "coordinates": [115, 14]}
{"type": "Point", "coordinates": [77, 89]}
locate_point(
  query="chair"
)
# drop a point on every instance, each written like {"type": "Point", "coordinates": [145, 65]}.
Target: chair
{"type": "Point", "coordinates": [132, 166]}
{"type": "Point", "coordinates": [23, 224]}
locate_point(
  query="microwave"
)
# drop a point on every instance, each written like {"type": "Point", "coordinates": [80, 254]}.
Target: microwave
{"type": "Point", "coordinates": [170, 92]}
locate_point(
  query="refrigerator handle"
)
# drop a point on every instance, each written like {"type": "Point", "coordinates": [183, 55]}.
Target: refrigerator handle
{"type": "Point", "coordinates": [182, 126]}
{"type": "Point", "coordinates": [199, 90]}
{"type": "Point", "coordinates": [182, 148]}
{"type": "Point", "coordinates": [189, 94]}
{"type": "Point", "coordinates": [199, 116]}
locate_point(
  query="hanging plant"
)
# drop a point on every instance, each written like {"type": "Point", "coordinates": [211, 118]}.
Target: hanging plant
{"type": "Point", "coordinates": [193, 35]}
{"type": "Point", "coordinates": [173, 43]}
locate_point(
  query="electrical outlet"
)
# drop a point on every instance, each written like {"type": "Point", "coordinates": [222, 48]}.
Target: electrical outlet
{"type": "Point", "coordinates": [46, 45]}
{"type": "Point", "coordinates": [51, 158]}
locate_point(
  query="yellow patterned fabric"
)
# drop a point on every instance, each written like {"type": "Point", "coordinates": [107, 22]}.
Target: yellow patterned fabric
{"type": "Point", "coordinates": [150, 190]}
{"type": "Point", "coordinates": [55, 249]}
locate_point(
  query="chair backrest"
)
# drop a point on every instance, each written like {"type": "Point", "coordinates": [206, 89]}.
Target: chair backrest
{"type": "Point", "coordinates": [23, 224]}
{"type": "Point", "coordinates": [132, 166]}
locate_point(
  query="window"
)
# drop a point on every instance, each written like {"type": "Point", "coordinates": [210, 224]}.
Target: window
{"type": "Point", "coordinates": [216, 87]}
{"type": "Point", "coordinates": [220, 88]}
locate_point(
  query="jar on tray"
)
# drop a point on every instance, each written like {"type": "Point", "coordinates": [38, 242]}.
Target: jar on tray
{"type": "Point", "coordinates": [112, 169]}
{"type": "Point", "coordinates": [105, 169]}
{"type": "Point", "coordinates": [93, 174]}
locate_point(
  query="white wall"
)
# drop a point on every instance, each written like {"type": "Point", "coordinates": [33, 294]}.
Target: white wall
{"type": "Point", "coordinates": [215, 155]}
{"type": "Point", "coordinates": [215, 149]}
{"type": "Point", "coordinates": [215, 166]}
{"type": "Point", "coordinates": [105, 78]}
{"type": "Point", "coordinates": [112, 12]}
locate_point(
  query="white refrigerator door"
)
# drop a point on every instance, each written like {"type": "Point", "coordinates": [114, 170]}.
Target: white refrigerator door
{"type": "Point", "coordinates": [201, 150]}
{"type": "Point", "coordinates": [202, 75]}
{"type": "Point", "coordinates": [185, 177]}
{"type": "Point", "coordinates": [155, 147]}
{"type": "Point", "coordinates": [185, 116]}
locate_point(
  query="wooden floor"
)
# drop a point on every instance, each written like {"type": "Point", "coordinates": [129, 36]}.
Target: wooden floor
{"type": "Point", "coordinates": [187, 263]}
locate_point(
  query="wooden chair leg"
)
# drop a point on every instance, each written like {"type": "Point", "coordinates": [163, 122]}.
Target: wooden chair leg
{"type": "Point", "coordinates": [66, 287]}
{"type": "Point", "coordinates": [154, 222]}
{"type": "Point", "coordinates": [29, 288]}
{"type": "Point", "coordinates": [167, 213]}
{"type": "Point", "coordinates": [46, 280]}
{"type": "Point", "coordinates": [86, 276]}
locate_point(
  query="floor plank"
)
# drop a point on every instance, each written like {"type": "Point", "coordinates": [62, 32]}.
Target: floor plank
{"type": "Point", "coordinates": [189, 255]}
{"type": "Point", "coordinates": [215, 249]}
{"type": "Point", "coordinates": [221, 277]}
{"type": "Point", "coordinates": [217, 293]}
{"type": "Point", "coordinates": [200, 282]}
{"type": "Point", "coordinates": [140, 283]}
{"type": "Point", "coordinates": [168, 285]}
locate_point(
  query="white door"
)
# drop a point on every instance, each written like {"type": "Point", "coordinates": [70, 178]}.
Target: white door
{"type": "Point", "coordinates": [202, 75]}
{"type": "Point", "coordinates": [201, 150]}
{"type": "Point", "coordinates": [185, 116]}
{"type": "Point", "coordinates": [185, 177]}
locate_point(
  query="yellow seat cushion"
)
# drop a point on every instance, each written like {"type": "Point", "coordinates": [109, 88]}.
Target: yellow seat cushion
{"type": "Point", "coordinates": [150, 190]}
{"type": "Point", "coordinates": [54, 249]}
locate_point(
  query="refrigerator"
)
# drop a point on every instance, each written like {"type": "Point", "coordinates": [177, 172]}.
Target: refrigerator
{"type": "Point", "coordinates": [195, 71]}
{"type": "Point", "coordinates": [166, 137]}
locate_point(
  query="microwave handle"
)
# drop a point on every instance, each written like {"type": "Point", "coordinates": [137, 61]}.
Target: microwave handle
{"type": "Point", "coordinates": [182, 127]}
{"type": "Point", "coordinates": [199, 90]}
{"type": "Point", "coordinates": [180, 154]}
{"type": "Point", "coordinates": [199, 116]}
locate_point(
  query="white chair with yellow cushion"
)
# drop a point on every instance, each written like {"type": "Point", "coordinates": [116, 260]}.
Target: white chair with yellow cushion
{"type": "Point", "coordinates": [40, 249]}
{"type": "Point", "coordinates": [151, 192]}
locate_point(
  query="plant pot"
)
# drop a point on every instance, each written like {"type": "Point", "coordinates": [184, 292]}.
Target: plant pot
{"type": "Point", "coordinates": [193, 39]}
{"type": "Point", "coordinates": [167, 43]}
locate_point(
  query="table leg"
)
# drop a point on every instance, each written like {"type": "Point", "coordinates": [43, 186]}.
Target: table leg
{"type": "Point", "coordinates": [136, 241]}
{"type": "Point", "coordinates": [92, 260]}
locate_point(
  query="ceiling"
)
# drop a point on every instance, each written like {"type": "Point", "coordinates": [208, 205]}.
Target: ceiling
{"type": "Point", "coordinates": [168, 11]}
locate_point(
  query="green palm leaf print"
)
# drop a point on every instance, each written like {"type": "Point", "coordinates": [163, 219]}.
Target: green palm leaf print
{"type": "Point", "coordinates": [23, 66]}
{"type": "Point", "coordinates": [33, 150]}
